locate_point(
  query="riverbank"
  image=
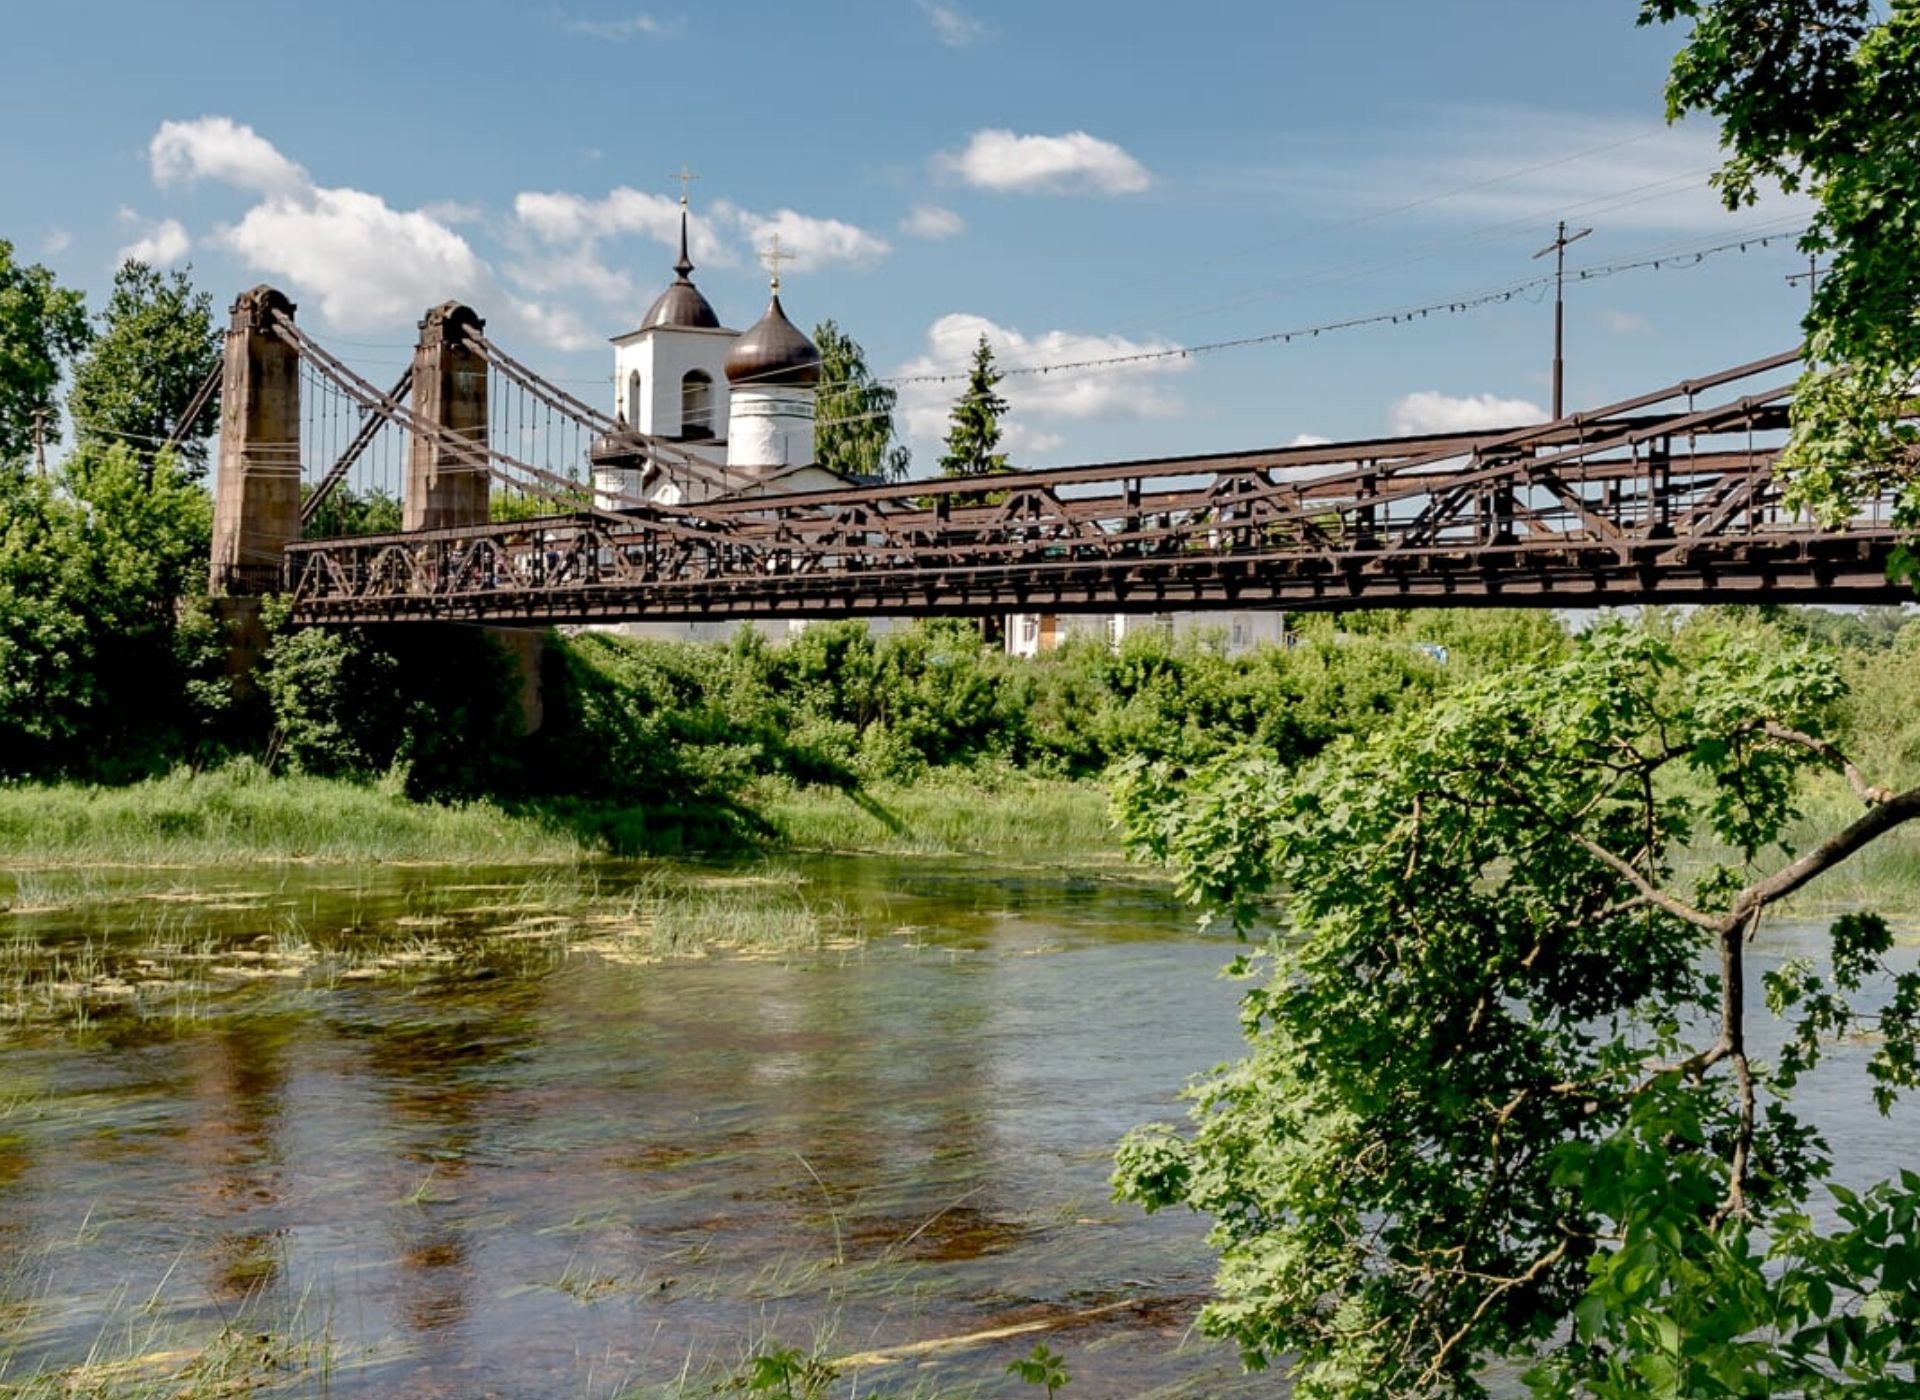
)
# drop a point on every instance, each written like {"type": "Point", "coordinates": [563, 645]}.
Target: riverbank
{"type": "Point", "coordinates": [240, 813]}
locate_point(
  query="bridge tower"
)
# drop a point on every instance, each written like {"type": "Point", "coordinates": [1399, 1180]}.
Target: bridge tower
{"type": "Point", "coordinates": [448, 483]}
{"type": "Point", "coordinates": [256, 504]}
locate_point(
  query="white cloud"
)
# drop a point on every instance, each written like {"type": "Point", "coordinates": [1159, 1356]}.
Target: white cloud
{"type": "Point", "coordinates": [1019, 441]}
{"type": "Point", "coordinates": [453, 211]}
{"type": "Point", "coordinates": [577, 268]}
{"type": "Point", "coordinates": [218, 148]}
{"type": "Point", "coordinates": [559, 236]}
{"type": "Point", "coordinates": [1517, 165]}
{"type": "Point", "coordinates": [931, 221]}
{"type": "Point", "coordinates": [559, 218]}
{"type": "Point", "coordinates": [619, 31]}
{"type": "Point", "coordinates": [161, 245]}
{"type": "Point", "coordinates": [1309, 440]}
{"type": "Point", "coordinates": [367, 264]}
{"type": "Point", "coordinates": [557, 326]}
{"type": "Point", "coordinates": [1038, 402]}
{"type": "Point", "coordinates": [58, 240]}
{"type": "Point", "coordinates": [1625, 322]}
{"type": "Point", "coordinates": [953, 25]}
{"type": "Point", "coordinates": [1076, 163]}
{"type": "Point", "coordinates": [1429, 411]}
{"type": "Point", "coordinates": [807, 244]}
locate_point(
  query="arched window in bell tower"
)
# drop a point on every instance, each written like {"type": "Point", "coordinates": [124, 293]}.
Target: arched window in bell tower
{"type": "Point", "coordinates": [633, 399]}
{"type": "Point", "coordinates": [696, 404]}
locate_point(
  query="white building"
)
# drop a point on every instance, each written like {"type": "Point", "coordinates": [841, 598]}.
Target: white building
{"type": "Point", "coordinates": [731, 413]}
{"type": "Point", "coordinates": [737, 408]}
{"type": "Point", "coordinates": [1030, 634]}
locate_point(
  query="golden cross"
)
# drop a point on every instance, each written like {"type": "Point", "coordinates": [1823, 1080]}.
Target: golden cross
{"type": "Point", "coordinates": [686, 177]}
{"type": "Point", "coordinates": [774, 257]}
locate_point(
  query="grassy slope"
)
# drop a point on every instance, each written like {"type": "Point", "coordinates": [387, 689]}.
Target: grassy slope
{"type": "Point", "coordinates": [1029, 818]}
{"type": "Point", "coordinates": [238, 813]}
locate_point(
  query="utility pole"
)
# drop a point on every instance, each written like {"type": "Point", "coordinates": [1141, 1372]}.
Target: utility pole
{"type": "Point", "coordinates": [1559, 249]}
{"type": "Point", "coordinates": [1811, 277]}
{"type": "Point", "coordinates": [40, 440]}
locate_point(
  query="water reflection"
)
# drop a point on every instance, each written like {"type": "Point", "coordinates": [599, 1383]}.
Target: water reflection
{"type": "Point", "coordinates": [531, 1173]}
{"type": "Point", "coordinates": [233, 1097]}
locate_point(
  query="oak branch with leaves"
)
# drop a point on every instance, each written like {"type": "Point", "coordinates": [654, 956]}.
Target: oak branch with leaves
{"type": "Point", "coordinates": [1823, 97]}
{"type": "Point", "coordinates": [1498, 1104]}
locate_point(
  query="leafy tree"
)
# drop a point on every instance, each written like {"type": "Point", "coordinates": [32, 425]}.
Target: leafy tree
{"type": "Point", "coordinates": [1824, 96]}
{"type": "Point", "coordinates": [1500, 1100]}
{"type": "Point", "coordinates": [91, 567]}
{"type": "Point", "coordinates": [157, 341]}
{"type": "Point", "coordinates": [42, 325]}
{"type": "Point", "coordinates": [855, 433]}
{"type": "Point", "coordinates": [349, 512]}
{"type": "Point", "coordinates": [974, 431]}
{"type": "Point", "coordinates": [439, 707]}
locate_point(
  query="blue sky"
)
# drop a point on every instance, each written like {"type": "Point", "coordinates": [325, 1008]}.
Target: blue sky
{"type": "Point", "coordinates": [1076, 180]}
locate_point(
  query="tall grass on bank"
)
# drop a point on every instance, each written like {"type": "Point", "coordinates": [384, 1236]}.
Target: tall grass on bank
{"type": "Point", "coordinates": [240, 812]}
{"type": "Point", "coordinates": [1037, 819]}
{"type": "Point", "coordinates": [1884, 876]}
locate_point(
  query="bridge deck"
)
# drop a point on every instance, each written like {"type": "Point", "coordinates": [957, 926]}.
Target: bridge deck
{"type": "Point", "coordinates": [1616, 506]}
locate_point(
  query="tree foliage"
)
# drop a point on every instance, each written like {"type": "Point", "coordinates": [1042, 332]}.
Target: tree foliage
{"type": "Point", "coordinates": [438, 710]}
{"type": "Point", "coordinates": [92, 565]}
{"type": "Point", "coordinates": [42, 326]}
{"type": "Point", "coordinates": [973, 434]}
{"type": "Point", "coordinates": [1824, 96]}
{"type": "Point", "coordinates": [854, 436]}
{"type": "Point", "coordinates": [349, 512]}
{"type": "Point", "coordinates": [157, 341]}
{"type": "Point", "coordinates": [1500, 1101]}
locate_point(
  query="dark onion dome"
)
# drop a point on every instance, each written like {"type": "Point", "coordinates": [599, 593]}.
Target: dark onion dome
{"type": "Point", "coordinates": [774, 352]}
{"type": "Point", "coordinates": [681, 304]}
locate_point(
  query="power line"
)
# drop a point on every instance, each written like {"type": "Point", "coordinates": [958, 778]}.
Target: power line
{"type": "Point", "coordinates": [1450, 305]}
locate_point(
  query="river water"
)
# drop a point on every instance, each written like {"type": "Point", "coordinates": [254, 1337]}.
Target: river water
{"type": "Point", "coordinates": [531, 1168]}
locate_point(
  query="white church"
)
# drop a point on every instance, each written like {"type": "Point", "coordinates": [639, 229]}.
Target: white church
{"type": "Point", "coordinates": [741, 405]}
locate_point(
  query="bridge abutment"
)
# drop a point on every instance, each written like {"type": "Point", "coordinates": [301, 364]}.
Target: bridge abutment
{"type": "Point", "coordinates": [526, 648]}
{"type": "Point", "coordinates": [256, 505]}
{"type": "Point", "coordinates": [447, 481]}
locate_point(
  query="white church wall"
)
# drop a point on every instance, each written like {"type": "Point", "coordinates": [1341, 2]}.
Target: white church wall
{"type": "Point", "coordinates": [662, 357]}
{"type": "Point", "coordinates": [770, 426]}
{"type": "Point", "coordinates": [1030, 634]}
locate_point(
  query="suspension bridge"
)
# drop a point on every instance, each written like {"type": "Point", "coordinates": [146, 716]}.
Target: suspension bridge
{"type": "Point", "coordinates": [506, 516]}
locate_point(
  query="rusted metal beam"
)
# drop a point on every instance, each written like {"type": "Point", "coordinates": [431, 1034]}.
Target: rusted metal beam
{"type": "Point", "coordinates": [1594, 507]}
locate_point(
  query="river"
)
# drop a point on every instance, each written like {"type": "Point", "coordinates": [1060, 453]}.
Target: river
{"type": "Point", "coordinates": [496, 1161]}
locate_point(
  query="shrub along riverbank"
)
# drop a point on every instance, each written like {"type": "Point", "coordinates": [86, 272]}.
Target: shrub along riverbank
{"type": "Point", "coordinates": [925, 739]}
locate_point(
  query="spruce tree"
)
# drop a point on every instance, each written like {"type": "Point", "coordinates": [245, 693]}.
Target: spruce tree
{"type": "Point", "coordinates": [974, 431]}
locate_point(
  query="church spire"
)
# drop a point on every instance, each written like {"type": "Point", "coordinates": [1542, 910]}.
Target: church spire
{"type": "Point", "coordinates": [684, 264]}
{"type": "Point", "coordinates": [681, 304]}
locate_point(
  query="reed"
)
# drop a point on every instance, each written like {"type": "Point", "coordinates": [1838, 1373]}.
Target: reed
{"type": "Point", "coordinates": [240, 812]}
{"type": "Point", "coordinates": [1038, 819]}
